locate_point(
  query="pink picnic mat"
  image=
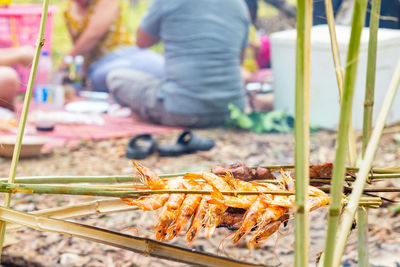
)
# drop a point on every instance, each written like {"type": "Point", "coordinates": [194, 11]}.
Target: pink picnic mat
{"type": "Point", "coordinates": [113, 127]}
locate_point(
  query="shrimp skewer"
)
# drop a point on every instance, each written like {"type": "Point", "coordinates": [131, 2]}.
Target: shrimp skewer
{"type": "Point", "coordinates": [262, 213]}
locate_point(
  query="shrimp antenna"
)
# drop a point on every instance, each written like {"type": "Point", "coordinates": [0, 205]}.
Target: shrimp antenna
{"type": "Point", "coordinates": [222, 245]}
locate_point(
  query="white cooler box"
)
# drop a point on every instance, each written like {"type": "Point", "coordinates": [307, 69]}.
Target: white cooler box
{"type": "Point", "coordinates": [324, 95]}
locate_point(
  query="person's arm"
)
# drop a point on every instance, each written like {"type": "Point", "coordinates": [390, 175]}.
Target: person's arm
{"type": "Point", "coordinates": [145, 40]}
{"type": "Point", "coordinates": [103, 15]}
{"type": "Point", "coordinates": [148, 33]}
{"type": "Point", "coordinates": [16, 55]}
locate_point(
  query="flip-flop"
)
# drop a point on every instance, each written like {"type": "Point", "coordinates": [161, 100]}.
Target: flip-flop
{"type": "Point", "coordinates": [140, 147]}
{"type": "Point", "coordinates": [186, 143]}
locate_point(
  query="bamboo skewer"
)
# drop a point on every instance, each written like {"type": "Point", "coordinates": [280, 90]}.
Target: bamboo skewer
{"type": "Point", "coordinates": [101, 206]}
{"type": "Point", "coordinates": [133, 179]}
{"type": "Point", "coordinates": [376, 173]}
{"type": "Point", "coordinates": [130, 192]}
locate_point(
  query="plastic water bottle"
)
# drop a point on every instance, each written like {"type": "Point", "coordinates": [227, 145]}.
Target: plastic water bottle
{"type": "Point", "coordinates": [78, 82]}
{"type": "Point", "coordinates": [44, 69]}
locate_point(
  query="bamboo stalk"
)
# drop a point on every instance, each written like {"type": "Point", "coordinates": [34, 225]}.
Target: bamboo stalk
{"type": "Point", "coordinates": [24, 115]}
{"type": "Point", "coordinates": [302, 130]}
{"type": "Point", "coordinates": [377, 174]}
{"type": "Point", "coordinates": [362, 230]}
{"type": "Point", "coordinates": [362, 217]}
{"type": "Point", "coordinates": [130, 193]}
{"type": "Point", "coordinates": [136, 244]}
{"type": "Point", "coordinates": [101, 206]}
{"type": "Point", "coordinates": [344, 121]}
{"type": "Point", "coordinates": [339, 75]}
{"type": "Point", "coordinates": [359, 184]}
{"type": "Point", "coordinates": [117, 192]}
{"type": "Point", "coordinates": [371, 71]}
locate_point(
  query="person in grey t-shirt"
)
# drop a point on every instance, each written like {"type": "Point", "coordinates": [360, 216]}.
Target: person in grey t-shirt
{"type": "Point", "coordinates": [203, 42]}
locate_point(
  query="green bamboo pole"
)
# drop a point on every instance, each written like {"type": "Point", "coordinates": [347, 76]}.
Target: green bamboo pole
{"type": "Point", "coordinates": [136, 244]}
{"type": "Point", "coordinates": [371, 71]}
{"type": "Point", "coordinates": [359, 184]}
{"type": "Point", "coordinates": [362, 217]}
{"type": "Point", "coordinates": [131, 192]}
{"type": "Point", "coordinates": [24, 114]}
{"type": "Point", "coordinates": [382, 174]}
{"type": "Point", "coordinates": [339, 75]}
{"type": "Point", "coordinates": [116, 192]}
{"type": "Point", "coordinates": [302, 130]}
{"type": "Point", "coordinates": [344, 122]}
{"type": "Point", "coordinates": [362, 231]}
{"type": "Point", "coordinates": [73, 179]}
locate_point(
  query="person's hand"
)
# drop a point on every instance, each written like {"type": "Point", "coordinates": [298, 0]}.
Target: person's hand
{"type": "Point", "coordinates": [25, 55]}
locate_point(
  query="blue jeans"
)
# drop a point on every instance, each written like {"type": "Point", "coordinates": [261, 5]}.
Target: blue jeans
{"type": "Point", "coordinates": [132, 57]}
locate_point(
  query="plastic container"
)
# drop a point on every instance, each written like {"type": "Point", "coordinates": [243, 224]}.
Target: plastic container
{"type": "Point", "coordinates": [44, 69]}
{"type": "Point", "coordinates": [19, 25]}
{"type": "Point", "coordinates": [324, 95]}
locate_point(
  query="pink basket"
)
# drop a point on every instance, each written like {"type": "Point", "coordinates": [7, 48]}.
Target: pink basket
{"type": "Point", "coordinates": [19, 25]}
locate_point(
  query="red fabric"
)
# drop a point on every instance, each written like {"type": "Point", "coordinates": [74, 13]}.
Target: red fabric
{"type": "Point", "coordinates": [114, 127]}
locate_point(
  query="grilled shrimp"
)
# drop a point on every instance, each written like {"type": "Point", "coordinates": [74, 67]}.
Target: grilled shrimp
{"type": "Point", "coordinates": [320, 199]}
{"type": "Point", "coordinates": [254, 215]}
{"type": "Point", "coordinates": [215, 211]}
{"type": "Point", "coordinates": [152, 180]}
{"type": "Point", "coordinates": [187, 209]}
{"type": "Point", "coordinates": [170, 209]}
{"type": "Point", "coordinates": [148, 177]}
{"type": "Point", "coordinates": [268, 230]}
{"type": "Point", "coordinates": [271, 214]}
{"type": "Point", "coordinates": [199, 218]}
{"type": "Point", "coordinates": [241, 201]}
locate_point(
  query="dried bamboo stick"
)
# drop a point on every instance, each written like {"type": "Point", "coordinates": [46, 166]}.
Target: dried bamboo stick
{"type": "Point", "coordinates": [136, 244]}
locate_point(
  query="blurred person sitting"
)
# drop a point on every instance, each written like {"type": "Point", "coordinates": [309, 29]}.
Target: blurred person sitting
{"type": "Point", "coordinates": [99, 34]}
{"type": "Point", "coordinates": [204, 42]}
{"type": "Point", "coordinates": [252, 51]}
{"type": "Point", "coordinates": [9, 79]}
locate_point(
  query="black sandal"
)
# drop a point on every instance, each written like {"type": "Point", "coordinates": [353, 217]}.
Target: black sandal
{"type": "Point", "coordinates": [186, 143]}
{"type": "Point", "coordinates": [141, 146]}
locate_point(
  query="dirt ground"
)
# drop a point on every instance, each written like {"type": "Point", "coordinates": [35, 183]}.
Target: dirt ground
{"type": "Point", "coordinates": [32, 248]}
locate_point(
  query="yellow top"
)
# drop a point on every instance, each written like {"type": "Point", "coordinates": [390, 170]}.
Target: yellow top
{"type": "Point", "coordinates": [117, 36]}
{"type": "Point", "coordinates": [249, 61]}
